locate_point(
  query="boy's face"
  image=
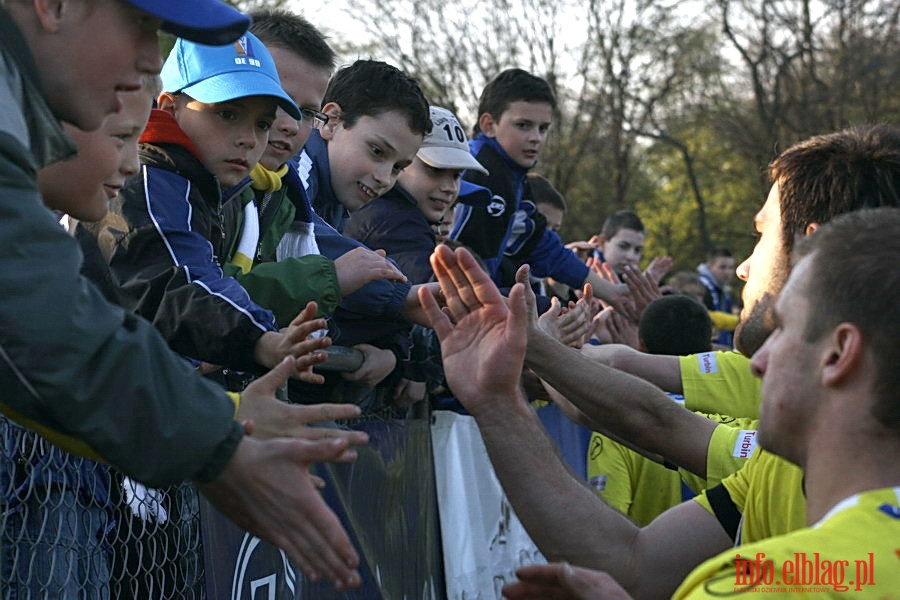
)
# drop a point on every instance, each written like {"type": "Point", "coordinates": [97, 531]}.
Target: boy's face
{"type": "Point", "coordinates": [305, 83]}
{"type": "Point", "coordinates": [625, 248]}
{"type": "Point", "coordinates": [435, 190]}
{"type": "Point", "coordinates": [367, 158]}
{"type": "Point", "coordinates": [82, 92]}
{"type": "Point", "coordinates": [230, 136]}
{"type": "Point", "coordinates": [521, 130]}
{"type": "Point", "coordinates": [721, 268]}
{"type": "Point", "coordinates": [83, 186]}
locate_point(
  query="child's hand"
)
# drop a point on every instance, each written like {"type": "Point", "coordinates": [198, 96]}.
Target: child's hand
{"type": "Point", "coordinates": [658, 268]}
{"type": "Point", "coordinates": [294, 341]}
{"type": "Point", "coordinates": [643, 287]}
{"type": "Point", "coordinates": [378, 363]}
{"type": "Point", "coordinates": [408, 392]}
{"type": "Point", "coordinates": [360, 266]}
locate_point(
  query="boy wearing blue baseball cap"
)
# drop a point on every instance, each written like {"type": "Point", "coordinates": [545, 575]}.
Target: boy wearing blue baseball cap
{"type": "Point", "coordinates": [172, 226]}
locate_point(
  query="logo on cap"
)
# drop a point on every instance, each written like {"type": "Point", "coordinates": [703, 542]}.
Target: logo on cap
{"type": "Point", "coordinates": [245, 54]}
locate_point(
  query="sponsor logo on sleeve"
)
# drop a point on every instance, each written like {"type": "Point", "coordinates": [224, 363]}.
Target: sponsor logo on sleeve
{"type": "Point", "coordinates": [745, 444]}
{"type": "Point", "coordinates": [707, 362]}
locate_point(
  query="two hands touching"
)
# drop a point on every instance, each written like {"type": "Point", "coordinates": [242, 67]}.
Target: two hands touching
{"type": "Point", "coordinates": [483, 341]}
{"type": "Point", "coordinates": [267, 487]}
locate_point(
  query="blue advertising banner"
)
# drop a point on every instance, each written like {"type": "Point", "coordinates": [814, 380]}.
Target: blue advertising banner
{"type": "Point", "coordinates": [386, 501]}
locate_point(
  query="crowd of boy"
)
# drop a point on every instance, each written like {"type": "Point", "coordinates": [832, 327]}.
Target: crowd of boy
{"type": "Point", "coordinates": [274, 207]}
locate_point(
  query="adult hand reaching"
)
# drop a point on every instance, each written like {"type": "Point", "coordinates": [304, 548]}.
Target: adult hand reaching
{"type": "Point", "coordinates": [266, 488]}
{"type": "Point", "coordinates": [482, 339]}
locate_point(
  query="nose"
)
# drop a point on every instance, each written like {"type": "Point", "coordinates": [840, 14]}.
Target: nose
{"type": "Point", "coordinates": [247, 136]}
{"type": "Point", "coordinates": [130, 162]}
{"type": "Point", "coordinates": [450, 186]}
{"type": "Point", "coordinates": [760, 359]}
{"type": "Point", "coordinates": [743, 269]}
{"type": "Point", "coordinates": [286, 124]}
{"type": "Point", "coordinates": [382, 175]}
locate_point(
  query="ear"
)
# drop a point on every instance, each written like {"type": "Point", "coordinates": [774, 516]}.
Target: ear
{"type": "Point", "coordinates": [166, 102]}
{"type": "Point", "coordinates": [50, 13]}
{"type": "Point", "coordinates": [844, 353]}
{"type": "Point", "coordinates": [333, 110]}
{"type": "Point", "coordinates": [811, 228]}
{"type": "Point", "coordinates": [486, 125]}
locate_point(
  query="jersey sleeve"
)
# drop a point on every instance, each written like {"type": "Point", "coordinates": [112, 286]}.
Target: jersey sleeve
{"type": "Point", "coordinates": [720, 382]}
{"type": "Point", "coordinates": [732, 443]}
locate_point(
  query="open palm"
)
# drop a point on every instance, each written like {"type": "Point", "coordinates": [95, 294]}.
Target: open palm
{"type": "Point", "coordinates": [482, 338]}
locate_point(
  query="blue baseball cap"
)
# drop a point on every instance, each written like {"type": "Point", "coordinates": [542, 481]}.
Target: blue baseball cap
{"type": "Point", "coordinates": [214, 74]}
{"type": "Point", "coordinates": [204, 21]}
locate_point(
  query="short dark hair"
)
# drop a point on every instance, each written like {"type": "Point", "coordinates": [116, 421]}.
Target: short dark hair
{"type": "Point", "coordinates": [368, 88]}
{"type": "Point", "coordinates": [543, 192]}
{"type": "Point", "coordinates": [676, 325]}
{"type": "Point", "coordinates": [284, 29]}
{"type": "Point", "coordinates": [619, 220]}
{"type": "Point", "coordinates": [853, 278]}
{"type": "Point", "coordinates": [513, 85]}
{"type": "Point", "coordinates": [718, 252]}
{"type": "Point", "coordinates": [829, 175]}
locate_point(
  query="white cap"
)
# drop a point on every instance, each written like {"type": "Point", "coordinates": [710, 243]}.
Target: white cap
{"type": "Point", "coordinates": [447, 147]}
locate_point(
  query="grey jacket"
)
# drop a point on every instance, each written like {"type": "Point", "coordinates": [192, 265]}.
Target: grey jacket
{"type": "Point", "coordinates": [88, 375]}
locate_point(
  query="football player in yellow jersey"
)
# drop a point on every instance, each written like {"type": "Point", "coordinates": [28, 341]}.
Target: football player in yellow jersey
{"type": "Point", "coordinates": [485, 342]}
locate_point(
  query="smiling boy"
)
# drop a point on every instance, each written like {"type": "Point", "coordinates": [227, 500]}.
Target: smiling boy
{"type": "Point", "coordinates": [82, 187]}
{"type": "Point", "coordinates": [400, 221]}
{"type": "Point", "coordinates": [284, 284]}
{"type": "Point", "coordinates": [377, 118]}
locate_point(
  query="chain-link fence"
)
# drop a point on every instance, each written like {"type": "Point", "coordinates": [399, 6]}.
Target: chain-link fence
{"type": "Point", "coordinates": [73, 528]}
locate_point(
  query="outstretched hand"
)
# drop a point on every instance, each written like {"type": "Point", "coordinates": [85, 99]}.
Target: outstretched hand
{"type": "Point", "coordinates": [360, 266]}
{"type": "Point", "coordinates": [568, 325]}
{"type": "Point", "coordinates": [272, 418]}
{"type": "Point", "coordinates": [658, 268]}
{"type": "Point", "coordinates": [644, 289]}
{"type": "Point", "coordinates": [294, 341]}
{"type": "Point", "coordinates": [482, 339]}
{"type": "Point", "coordinates": [266, 489]}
